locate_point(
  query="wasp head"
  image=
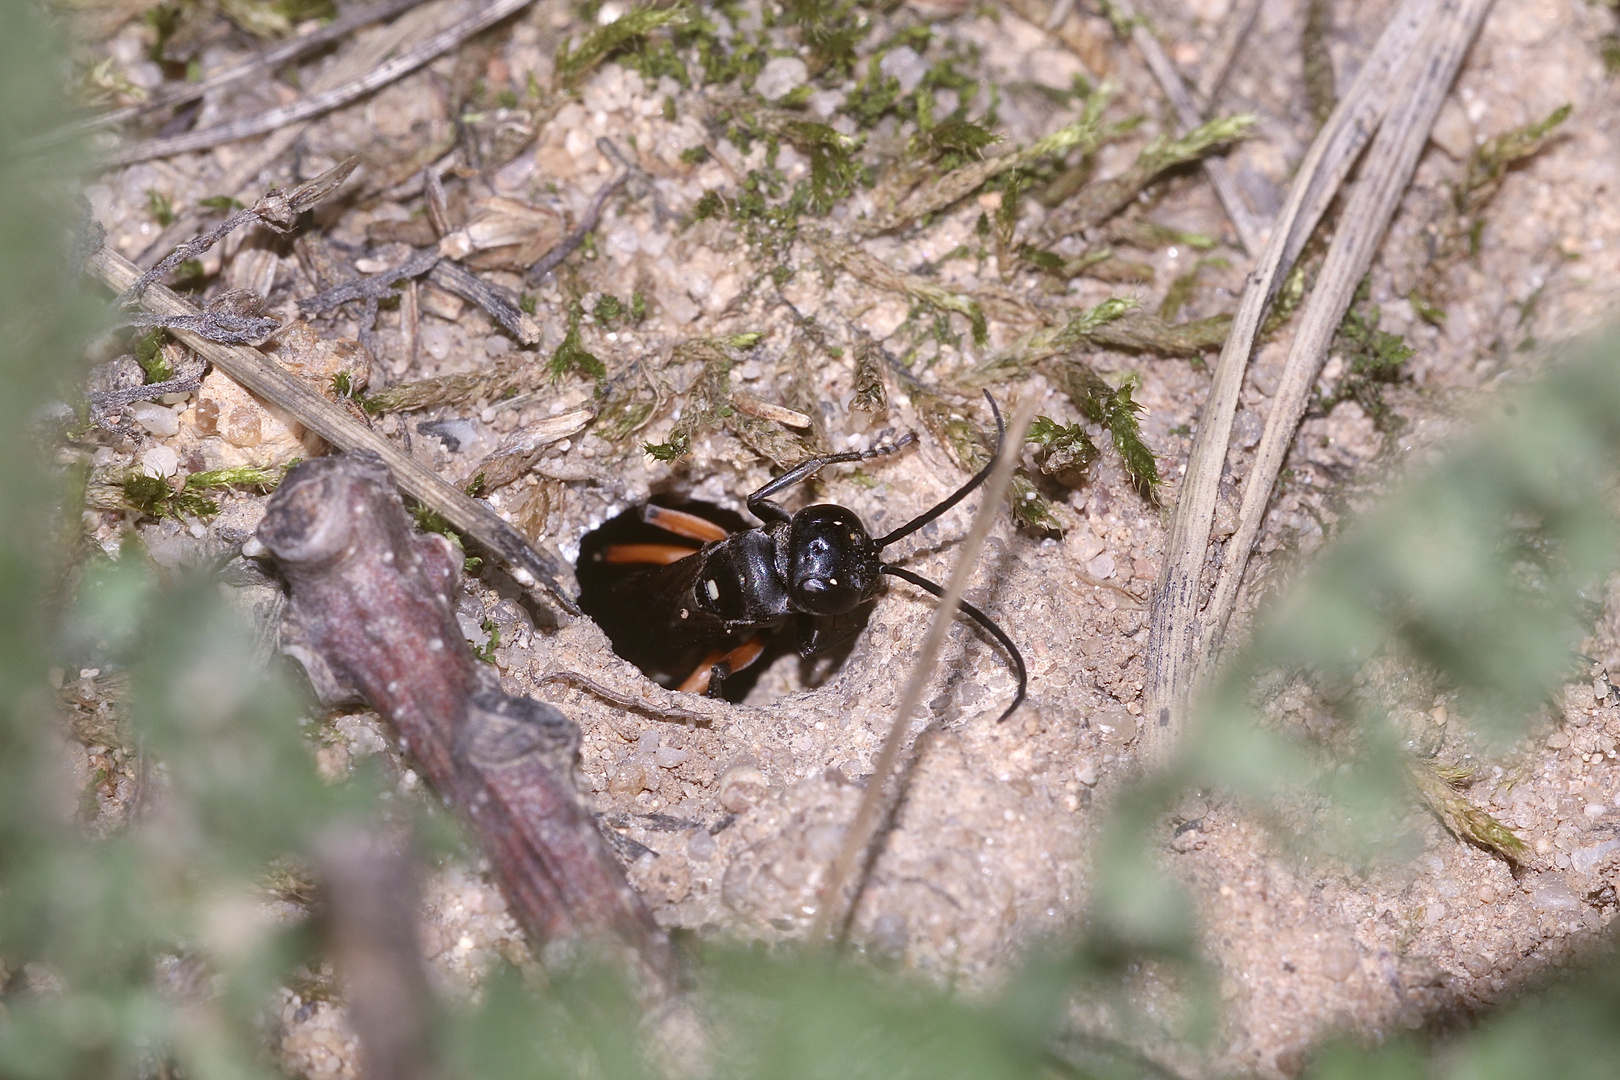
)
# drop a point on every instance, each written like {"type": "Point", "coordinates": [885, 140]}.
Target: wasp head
{"type": "Point", "coordinates": [831, 560]}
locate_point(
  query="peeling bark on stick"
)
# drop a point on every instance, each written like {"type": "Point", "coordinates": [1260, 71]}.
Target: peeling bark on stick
{"type": "Point", "coordinates": [372, 616]}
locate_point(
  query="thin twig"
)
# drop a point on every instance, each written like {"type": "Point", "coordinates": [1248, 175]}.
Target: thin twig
{"type": "Point", "coordinates": [402, 63]}
{"type": "Point", "coordinates": [371, 287]}
{"type": "Point", "coordinates": [858, 836]}
{"type": "Point", "coordinates": [225, 327]}
{"type": "Point", "coordinates": [1189, 116]}
{"type": "Point", "coordinates": [535, 570]}
{"type": "Point", "coordinates": [1219, 64]}
{"type": "Point", "coordinates": [371, 890]}
{"type": "Point", "coordinates": [1424, 84]}
{"type": "Point", "coordinates": [497, 302]}
{"type": "Point", "coordinates": [267, 60]}
{"type": "Point", "coordinates": [1173, 634]}
{"type": "Point", "coordinates": [587, 222]}
{"type": "Point", "coordinates": [276, 209]}
{"type": "Point", "coordinates": [632, 703]}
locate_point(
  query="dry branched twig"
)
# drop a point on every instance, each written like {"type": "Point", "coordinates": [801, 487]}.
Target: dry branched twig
{"type": "Point", "coordinates": [338, 530]}
{"type": "Point", "coordinates": [277, 209]}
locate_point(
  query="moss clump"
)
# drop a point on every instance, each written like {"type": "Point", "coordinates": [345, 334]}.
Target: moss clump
{"type": "Point", "coordinates": [1065, 453]}
{"type": "Point", "coordinates": [155, 497]}
{"type": "Point", "coordinates": [1374, 360]}
{"type": "Point", "coordinates": [574, 64]}
{"type": "Point", "coordinates": [571, 355]}
{"type": "Point", "coordinates": [149, 354]}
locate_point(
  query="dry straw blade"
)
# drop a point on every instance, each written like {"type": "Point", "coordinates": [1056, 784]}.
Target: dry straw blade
{"type": "Point", "coordinates": [831, 915]}
{"type": "Point", "coordinates": [260, 375]}
{"type": "Point", "coordinates": [1425, 38]}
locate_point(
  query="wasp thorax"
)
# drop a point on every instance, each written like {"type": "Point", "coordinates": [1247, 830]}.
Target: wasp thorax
{"type": "Point", "coordinates": [832, 561]}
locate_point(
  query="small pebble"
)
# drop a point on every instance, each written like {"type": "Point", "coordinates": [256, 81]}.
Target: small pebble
{"type": "Point", "coordinates": [781, 75]}
{"type": "Point", "coordinates": [160, 460]}
{"type": "Point", "coordinates": [1339, 962]}
{"type": "Point", "coordinates": [155, 418]}
{"type": "Point", "coordinates": [701, 846]}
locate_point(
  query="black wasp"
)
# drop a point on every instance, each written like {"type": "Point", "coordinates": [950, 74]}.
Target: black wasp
{"type": "Point", "coordinates": [689, 617]}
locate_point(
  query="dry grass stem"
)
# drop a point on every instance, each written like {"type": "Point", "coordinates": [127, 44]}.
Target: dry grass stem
{"type": "Point", "coordinates": [312, 105]}
{"type": "Point", "coordinates": [1172, 660]}
{"type": "Point", "coordinates": [535, 570]}
{"type": "Point", "coordinates": [1423, 85]}
{"type": "Point", "coordinates": [829, 916]}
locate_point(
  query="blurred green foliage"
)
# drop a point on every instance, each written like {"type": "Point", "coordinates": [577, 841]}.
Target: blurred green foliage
{"type": "Point", "coordinates": [1479, 571]}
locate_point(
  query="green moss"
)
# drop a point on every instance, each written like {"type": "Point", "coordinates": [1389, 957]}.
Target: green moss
{"type": "Point", "coordinates": [152, 496]}
{"type": "Point", "coordinates": [678, 446]}
{"type": "Point", "coordinates": [160, 207]}
{"type": "Point", "coordinates": [190, 276]}
{"type": "Point", "coordinates": [220, 204]}
{"type": "Point", "coordinates": [571, 355]}
{"type": "Point", "coordinates": [1114, 409]}
{"type": "Point", "coordinates": [1182, 288]}
{"type": "Point", "coordinates": [1374, 360]}
{"type": "Point", "coordinates": [155, 497]}
{"type": "Point", "coordinates": [1066, 454]}
{"type": "Point", "coordinates": [830, 30]}
{"type": "Point", "coordinates": [1289, 295]}
{"type": "Point", "coordinates": [1030, 508]}
{"type": "Point", "coordinates": [1152, 236]}
{"type": "Point", "coordinates": [148, 351]}
{"type": "Point", "coordinates": [1428, 312]}
{"type": "Point", "coordinates": [430, 520]}
{"type": "Point", "coordinates": [833, 167]}
{"type": "Point", "coordinates": [1096, 202]}
{"type": "Point", "coordinates": [1320, 90]}
{"type": "Point", "coordinates": [607, 309]}
{"type": "Point", "coordinates": [1493, 158]}
{"type": "Point", "coordinates": [604, 41]}
{"type": "Point", "coordinates": [954, 143]}
{"type": "Point", "coordinates": [1609, 53]}
{"type": "Point", "coordinates": [486, 651]}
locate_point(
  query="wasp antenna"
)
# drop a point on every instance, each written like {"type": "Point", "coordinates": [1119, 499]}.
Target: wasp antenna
{"type": "Point", "coordinates": [979, 617]}
{"type": "Point", "coordinates": [961, 493]}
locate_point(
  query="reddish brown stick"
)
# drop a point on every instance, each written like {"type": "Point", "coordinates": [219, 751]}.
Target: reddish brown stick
{"type": "Point", "coordinates": [372, 615]}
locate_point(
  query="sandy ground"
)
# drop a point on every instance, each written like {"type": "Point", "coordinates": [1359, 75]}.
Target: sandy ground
{"type": "Point", "coordinates": [728, 825]}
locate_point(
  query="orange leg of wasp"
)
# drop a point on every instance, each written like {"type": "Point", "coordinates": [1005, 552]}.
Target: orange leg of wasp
{"type": "Point", "coordinates": [728, 663]}
{"type": "Point", "coordinates": [657, 554]}
{"type": "Point", "coordinates": [681, 523]}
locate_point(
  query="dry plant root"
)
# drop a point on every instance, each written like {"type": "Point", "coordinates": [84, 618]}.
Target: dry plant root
{"type": "Point", "coordinates": [372, 615]}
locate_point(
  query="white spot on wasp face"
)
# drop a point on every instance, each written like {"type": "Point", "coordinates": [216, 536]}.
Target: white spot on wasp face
{"type": "Point", "coordinates": [832, 581]}
{"type": "Point", "coordinates": [685, 613]}
{"type": "Point", "coordinates": [714, 589]}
